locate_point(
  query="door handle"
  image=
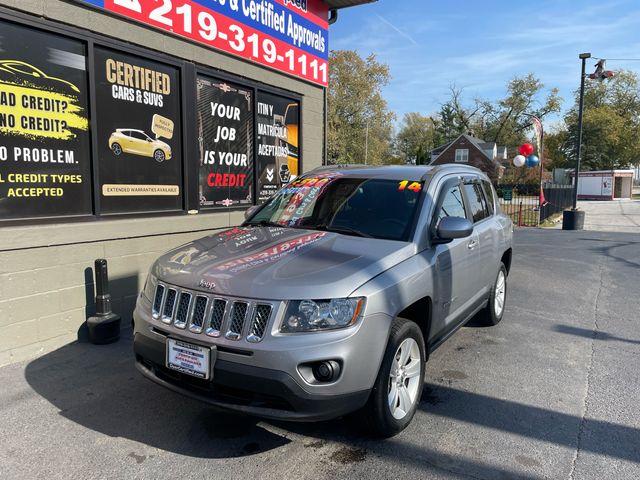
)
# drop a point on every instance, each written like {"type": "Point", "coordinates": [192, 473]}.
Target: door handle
{"type": "Point", "coordinates": [472, 244]}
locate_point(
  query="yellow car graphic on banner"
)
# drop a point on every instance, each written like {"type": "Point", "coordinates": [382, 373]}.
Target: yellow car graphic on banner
{"type": "Point", "coordinates": [137, 142]}
{"type": "Point", "coordinates": [21, 73]}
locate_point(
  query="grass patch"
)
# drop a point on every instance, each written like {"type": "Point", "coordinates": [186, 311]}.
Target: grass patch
{"type": "Point", "coordinates": [552, 221]}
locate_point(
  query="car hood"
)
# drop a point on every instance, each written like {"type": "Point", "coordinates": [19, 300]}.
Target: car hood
{"type": "Point", "coordinates": [279, 263]}
{"type": "Point", "coordinates": [160, 143]}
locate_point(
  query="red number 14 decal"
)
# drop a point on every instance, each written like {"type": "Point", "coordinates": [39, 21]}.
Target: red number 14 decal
{"type": "Point", "coordinates": [414, 186]}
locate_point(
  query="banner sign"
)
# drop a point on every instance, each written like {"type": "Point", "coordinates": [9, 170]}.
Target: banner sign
{"type": "Point", "coordinates": [225, 138]}
{"type": "Point", "coordinates": [139, 135]}
{"type": "Point", "coordinates": [290, 36]}
{"type": "Point", "coordinates": [278, 140]}
{"type": "Point", "coordinates": [45, 160]}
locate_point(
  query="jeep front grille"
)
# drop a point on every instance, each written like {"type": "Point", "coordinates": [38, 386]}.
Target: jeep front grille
{"type": "Point", "coordinates": [183, 310]}
{"type": "Point", "coordinates": [217, 317]}
{"type": "Point", "coordinates": [259, 322]}
{"type": "Point", "coordinates": [199, 312]}
{"type": "Point", "coordinates": [236, 324]}
{"type": "Point", "coordinates": [169, 305]}
{"type": "Point", "coordinates": [213, 315]}
{"type": "Point", "coordinates": [157, 301]}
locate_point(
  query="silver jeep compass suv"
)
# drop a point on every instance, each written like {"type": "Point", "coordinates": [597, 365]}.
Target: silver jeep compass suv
{"type": "Point", "coordinates": [331, 296]}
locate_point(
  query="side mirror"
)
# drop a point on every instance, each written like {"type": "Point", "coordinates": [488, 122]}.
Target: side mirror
{"type": "Point", "coordinates": [453, 227]}
{"type": "Point", "coordinates": [250, 211]}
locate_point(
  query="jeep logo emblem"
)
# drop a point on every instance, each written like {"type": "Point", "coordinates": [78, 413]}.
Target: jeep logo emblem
{"type": "Point", "coordinates": [207, 285]}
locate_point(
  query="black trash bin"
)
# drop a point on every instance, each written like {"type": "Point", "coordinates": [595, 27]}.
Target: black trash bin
{"type": "Point", "coordinates": [573, 219]}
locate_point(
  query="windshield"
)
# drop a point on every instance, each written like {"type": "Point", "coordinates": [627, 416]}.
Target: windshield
{"type": "Point", "coordinates": [362, 207]}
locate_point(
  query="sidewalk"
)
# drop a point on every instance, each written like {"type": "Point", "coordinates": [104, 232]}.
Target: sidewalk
{"type": "Point", "coordinates": [612, 216]}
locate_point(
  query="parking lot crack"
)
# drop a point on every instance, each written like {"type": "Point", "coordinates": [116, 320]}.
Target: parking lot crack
{"type": "Point", "coordinates": [585, 404]}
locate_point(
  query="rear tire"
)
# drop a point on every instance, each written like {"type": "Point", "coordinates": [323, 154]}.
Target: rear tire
{"type": "Point", "coordinates": [494, 311]}
{"type": "Point", "coordinates": [398, 387]}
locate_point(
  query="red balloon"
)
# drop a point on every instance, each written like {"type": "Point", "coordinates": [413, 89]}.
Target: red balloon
{"type": "Point", "coordinates": [526, 149]}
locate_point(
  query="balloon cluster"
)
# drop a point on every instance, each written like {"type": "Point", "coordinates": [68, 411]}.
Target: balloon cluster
{"type": "Point", "coordinates": [526, 156]}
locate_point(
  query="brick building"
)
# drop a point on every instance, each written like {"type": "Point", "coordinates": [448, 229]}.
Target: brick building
{"type": "Point", "coordinates": [487, 156]}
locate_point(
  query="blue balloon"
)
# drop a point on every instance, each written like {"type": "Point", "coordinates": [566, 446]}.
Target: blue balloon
{"type": "Point", "coordinates": [533, 161]}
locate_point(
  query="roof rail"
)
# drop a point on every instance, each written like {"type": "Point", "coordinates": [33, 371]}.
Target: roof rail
{"type": "Point", "coordinates": [454, 166]}
{"type": "Point", "coordinates": [340, 165]}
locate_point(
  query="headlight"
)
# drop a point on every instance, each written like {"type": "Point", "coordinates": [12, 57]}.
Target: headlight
{"type": "Point", "coordinates": [150, 285]}
{"type": "Point", "coordinates": [315, 315]}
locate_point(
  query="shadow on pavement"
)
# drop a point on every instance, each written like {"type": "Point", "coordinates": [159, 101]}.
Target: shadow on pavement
{"type": "Point", "coordinates": [99, 388]}
{"type": "Point", "coordinates": [587, 333]}
{"type": "Point", "coordinates": [608, 250]}
{"type": "Point", "coordinates": [603, 438]}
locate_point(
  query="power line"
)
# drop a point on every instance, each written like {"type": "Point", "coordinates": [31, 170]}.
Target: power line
{"type": "Point", "coordinates": [618, 59]}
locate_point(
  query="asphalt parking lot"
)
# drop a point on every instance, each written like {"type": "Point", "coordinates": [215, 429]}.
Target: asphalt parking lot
{"type": "Point", "coordinates": [552, 392]}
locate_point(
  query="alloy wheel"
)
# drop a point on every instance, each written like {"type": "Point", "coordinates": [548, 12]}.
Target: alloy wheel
{"type": "Point", "coordinates": [500, 293]}
{"type": "Point", "coordinates": [404, 378]}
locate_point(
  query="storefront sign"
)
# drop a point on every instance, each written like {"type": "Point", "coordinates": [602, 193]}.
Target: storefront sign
{"type": "Point", "coordinates": [140, 152]}
{"type": "Point", "coordinates": [288, 35]}
{"type": "Point", "coordinates": [278, 140]}
{"type": "Point", "coordinates": [225, 134]}
{"type": "Point", "coordinates": [44, 128]}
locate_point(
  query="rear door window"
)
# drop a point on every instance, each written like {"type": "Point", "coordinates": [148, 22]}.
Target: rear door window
{"type": "Point", "coordinates": [488, 190]}
{"type": "Point", "coordinates": [477, 201]}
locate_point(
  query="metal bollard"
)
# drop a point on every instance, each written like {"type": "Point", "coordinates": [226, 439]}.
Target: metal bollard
{"type": "Point", "coordinates": [104, 326]}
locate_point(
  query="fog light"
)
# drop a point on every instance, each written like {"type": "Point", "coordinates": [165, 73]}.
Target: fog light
{"type": "Point", "coordinates": [326, 371]}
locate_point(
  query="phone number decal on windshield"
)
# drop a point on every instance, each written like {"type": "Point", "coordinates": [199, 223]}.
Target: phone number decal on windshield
{"type": "Point", "coordinates": [282, 37]}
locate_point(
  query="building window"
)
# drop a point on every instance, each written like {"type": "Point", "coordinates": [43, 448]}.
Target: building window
{"type": "Point", "coordinates": [462, 154]}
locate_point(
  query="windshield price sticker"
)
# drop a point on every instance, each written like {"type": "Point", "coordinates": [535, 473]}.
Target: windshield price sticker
{"type": "Point", "coordinates": [407, 185]}
{"type": "Point", "coordinates": [291, 37]}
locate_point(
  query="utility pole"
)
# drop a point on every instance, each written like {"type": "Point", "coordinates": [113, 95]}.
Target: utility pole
{"type": "Point", "coordinates": [574, 219]}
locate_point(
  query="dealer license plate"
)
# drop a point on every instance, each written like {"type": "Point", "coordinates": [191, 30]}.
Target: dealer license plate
{"type": "Point", "coordinates": [188, 358]}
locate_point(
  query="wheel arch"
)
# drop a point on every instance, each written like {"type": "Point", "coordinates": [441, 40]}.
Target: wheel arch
{"type": "Point", "coordinates": [506, 259]}
{"type": "Point", "coordinates": [420, 312]}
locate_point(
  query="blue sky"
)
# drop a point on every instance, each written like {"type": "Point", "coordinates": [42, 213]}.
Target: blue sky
{"type": "Point", "coordinates": [480, 45]}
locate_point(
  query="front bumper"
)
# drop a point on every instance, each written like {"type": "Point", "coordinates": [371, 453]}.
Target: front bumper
{"type": "Point", "coordinates": [268, 378]}
{"type": "Point", "coordinates": [243, 388]}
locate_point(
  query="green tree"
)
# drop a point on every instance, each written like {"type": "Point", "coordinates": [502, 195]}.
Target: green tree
{"type": "Point", "coordinates": [502, 121]}
{"type": "Point", "coordinates": [505, 122]}
{"type": "Point", "coordinates": [360, 124]}
{"type": "Point", "coordinates": [454, 118]}
{"type": "Point", "coordinates": [556, 149]}
{"type": "Point", "coordinates": [415, 138]}
{"type": "Point", "coordinates": [611, 124]}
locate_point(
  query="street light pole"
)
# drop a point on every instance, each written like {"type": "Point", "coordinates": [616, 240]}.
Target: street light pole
{"type": "Point", "coordinates": [583, 57]}
{"type": "Point", "coordinates": [574, 219]}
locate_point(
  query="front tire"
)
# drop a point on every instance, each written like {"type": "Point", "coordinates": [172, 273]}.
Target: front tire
{"type": "Point", "coordinates": [159, 156]}
{"type": "Point", "coordinates": [116, 149]}
{"type": "Point", "coordinates": [494, 311]}
{"type": "Point", "coordinates": [398, 387]}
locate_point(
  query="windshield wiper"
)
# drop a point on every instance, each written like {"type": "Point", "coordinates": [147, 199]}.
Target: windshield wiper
{"type": "Point", "coordinates": [344, 230]}
{"type": "Point", "coordinates": [267, 223]}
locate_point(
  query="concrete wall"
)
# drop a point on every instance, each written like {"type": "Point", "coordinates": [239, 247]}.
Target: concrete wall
{"type": "Point", "coordinates": [46, 271]}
